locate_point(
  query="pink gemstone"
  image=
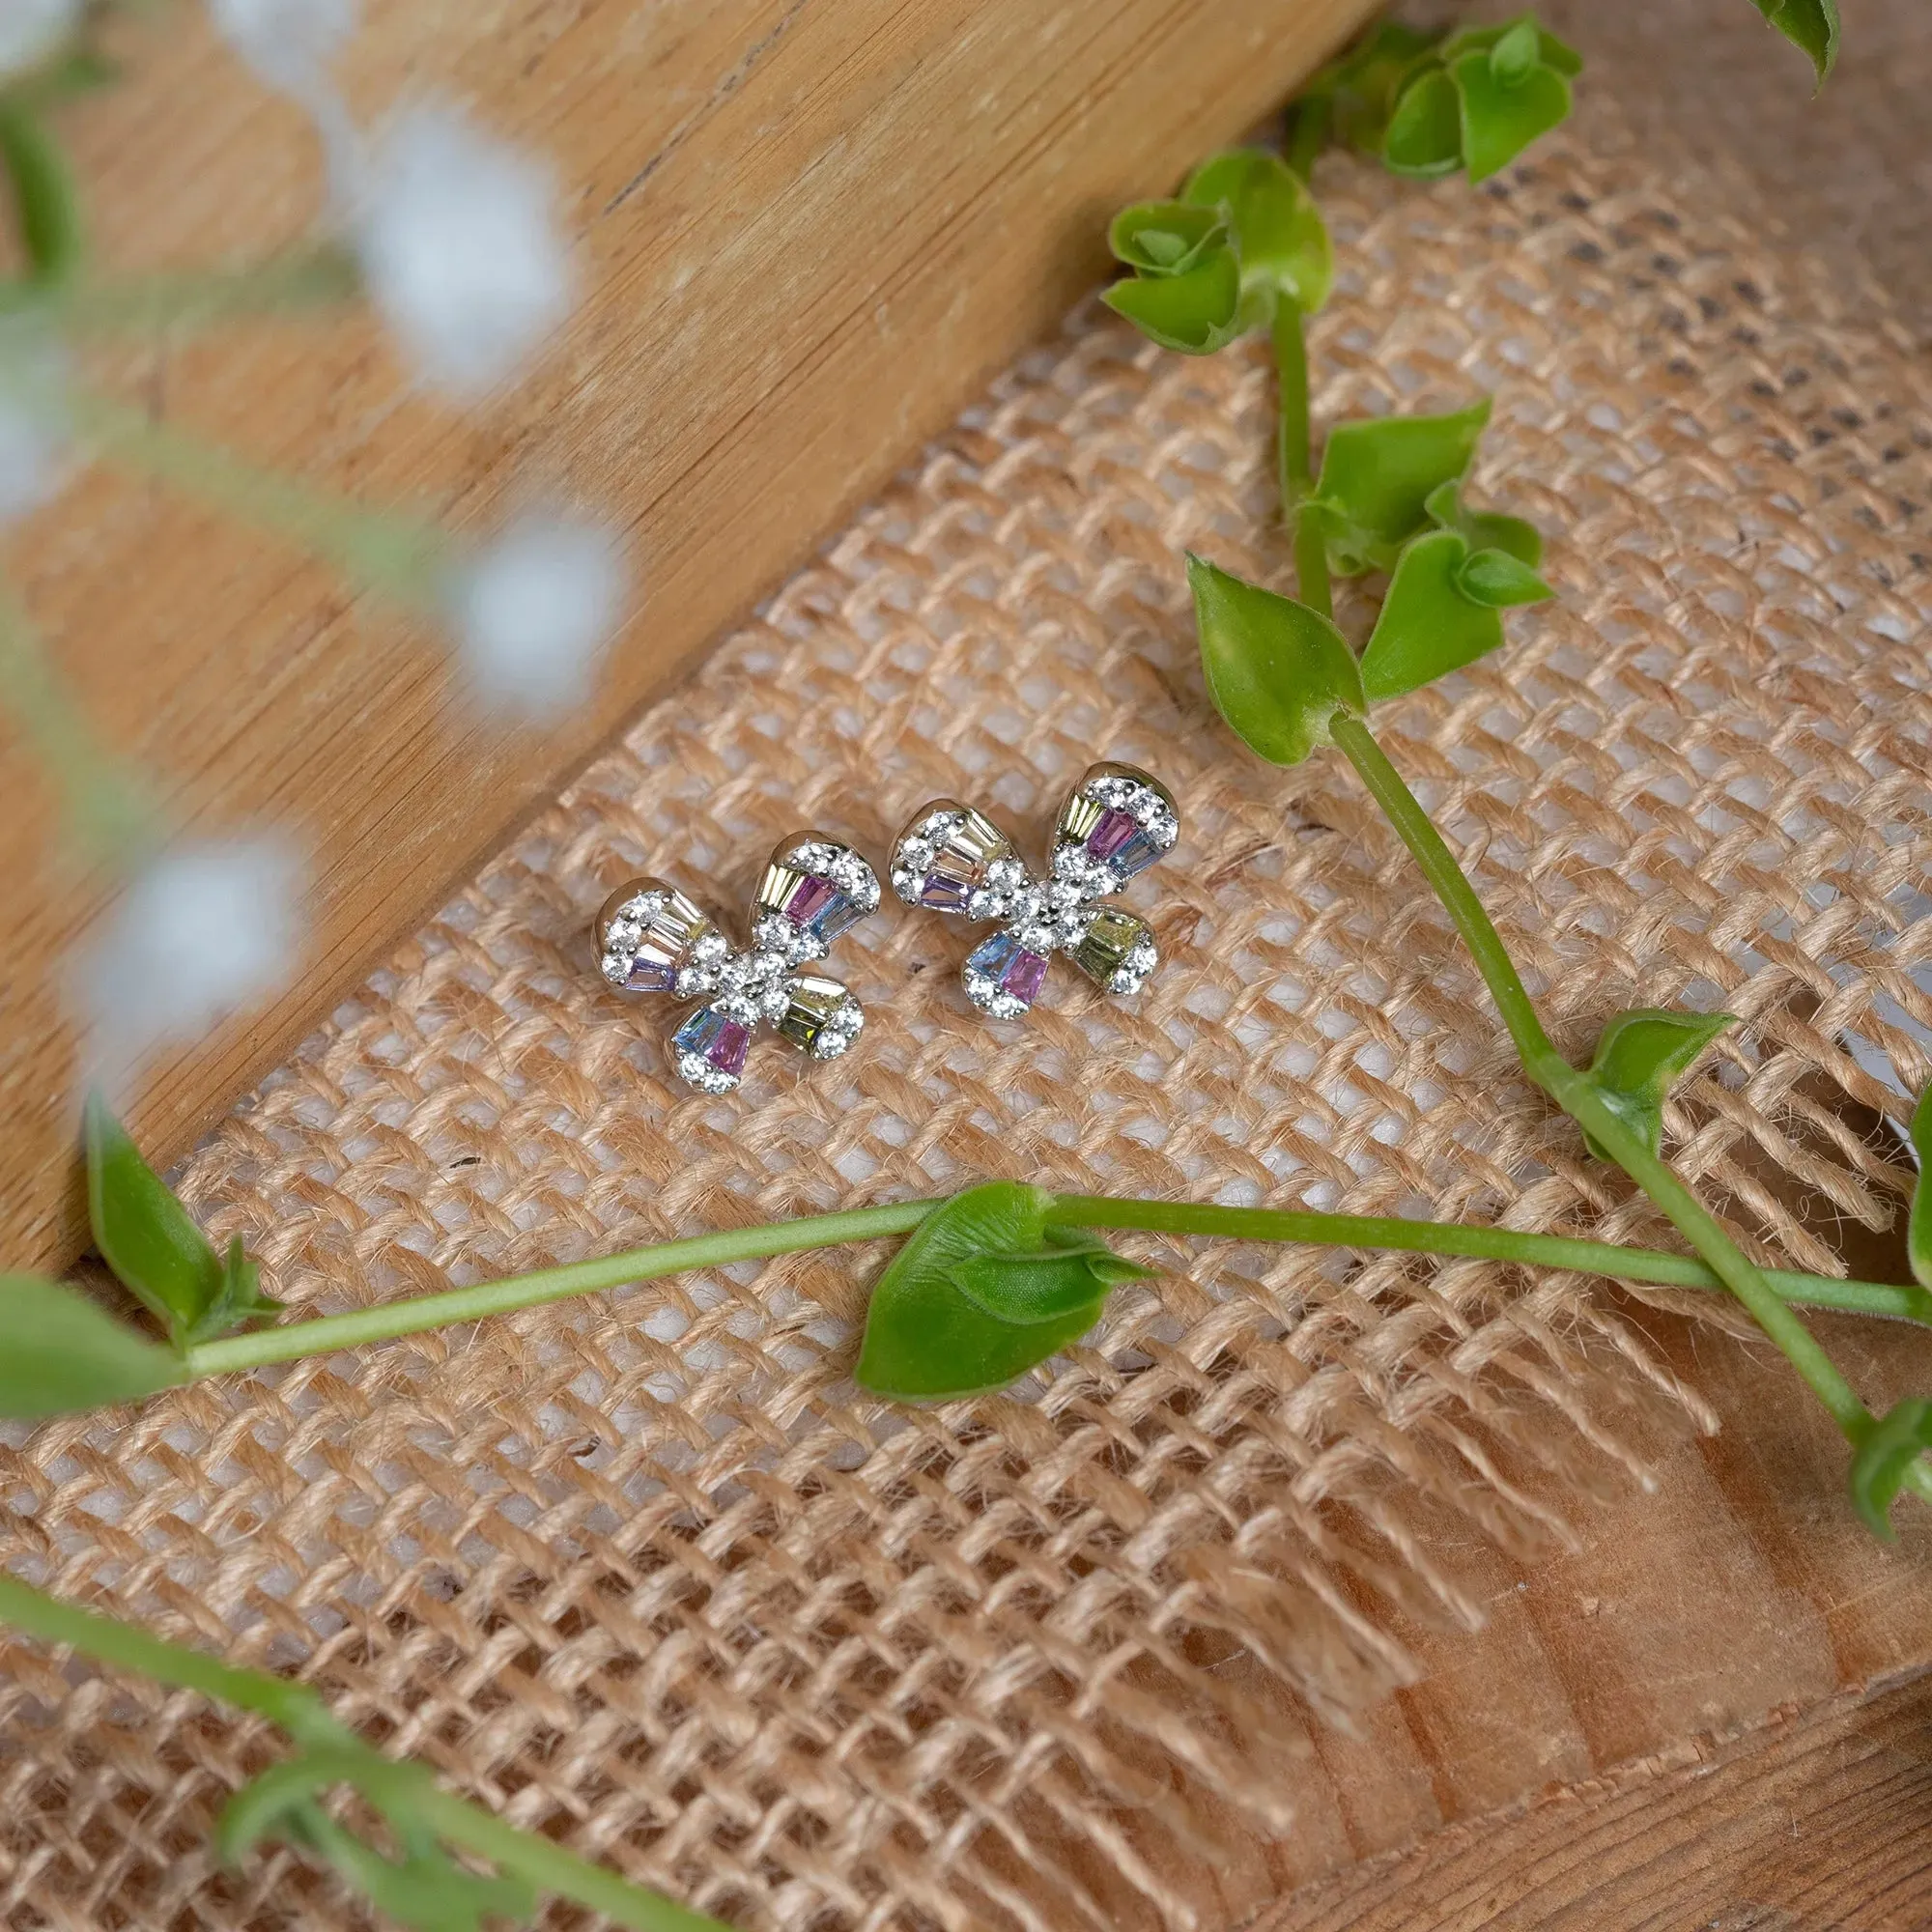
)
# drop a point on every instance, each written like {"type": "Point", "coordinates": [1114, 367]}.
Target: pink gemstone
{"type": "Point", "coordinates": [810, 897]}
{"type": "Point", "coordinates": [1024, 974]}
{"type": "Point", "coordinates": [727, 1051]}
{"type": "Point", "coordinates": [1114, 830]}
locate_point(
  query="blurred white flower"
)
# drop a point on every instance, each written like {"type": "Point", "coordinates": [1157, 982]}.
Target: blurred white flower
{"type": "Point", "coordinates": [461, 257]}
{"type": "Point", "coordinates": [288, 43]}
{"type": "Point", "coordinates": [202, 930]}
{"type": "Point", "coordinates": [29, 30]}
{"type": "Point", "coordinates": [533, 611]}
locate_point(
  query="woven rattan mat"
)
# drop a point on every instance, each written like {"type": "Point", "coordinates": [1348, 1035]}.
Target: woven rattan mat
{"type": "Point", "coordinates": [647, 1572]}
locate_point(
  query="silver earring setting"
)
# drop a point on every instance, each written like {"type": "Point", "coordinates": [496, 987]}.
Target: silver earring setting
{"type": "Point", "coordinates": [952, 860]}
{"type": "Point", "coordinates": [651, 939]}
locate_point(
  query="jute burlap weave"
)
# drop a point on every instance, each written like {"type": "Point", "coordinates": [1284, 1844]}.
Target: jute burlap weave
{"type": "Point", "coordinates": [647, 1572]}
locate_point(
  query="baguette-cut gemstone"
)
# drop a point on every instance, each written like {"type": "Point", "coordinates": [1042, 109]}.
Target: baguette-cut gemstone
{"type": "Point", "coordinates": [821, 1017]}
{"type": "Point", "coordinates": [946, 856]}
{"type": "Point", "coordinates": [647, 933]}
{"type": "Point", "coordinates": [715, 1038]}
{"type": "Point", "coordinates": [945, 891]}
{"type": "Point", "coordinates": [1122, 842]}
{"type": "Point", "coordinates": [1003, 976]}
{"type": "Point", "coordinates": [1025, 971]}
{"type": "Point", "coordinates": [1113, 948]}
{"type": "Point", "coordinates": [810, 897]}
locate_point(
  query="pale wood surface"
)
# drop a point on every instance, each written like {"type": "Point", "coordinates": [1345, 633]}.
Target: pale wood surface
{"type": "Point", "coordinates": [1738, 1592]}
{"type": "Point", "coordinates": [808, 230]}
{"type": "Point", "coordinates": [1821, 1819]}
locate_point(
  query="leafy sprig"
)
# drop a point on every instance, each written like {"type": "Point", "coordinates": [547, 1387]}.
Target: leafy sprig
{"type": "Point", "coordinates": [416, 1880]}
{"type": "Point", "coordinates": [987, 1284]}
{"type": "Point", "coordinates": [1389, 497]}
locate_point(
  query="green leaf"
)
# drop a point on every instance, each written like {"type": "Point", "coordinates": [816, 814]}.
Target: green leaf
{"type": "Point", "coordinates": [143, 1232]}
{"type": "Point", "coordinates": [1429, 625]}
{"type": "Point", "coordinates": [1496, 578]}
{"type": "Point", "coordinates": [1280, 239]}
{"type": "Point", "coordinates": [58, 1351]}
{"type": "Point", "coordinates": [424, 1888]}
{"type": "Point", "coordinates": [1196, 312]}
{"type": "Point", "coordinates": [1515, 55]}
{"type": "Point", "coordinates": [1640, 1056]}
{"type": "Point", "coordinates": [1885, 1457]}
{"type": "Point", "coordinates": [1165, 237]}
{"type": "Point", "coordinates": [1424, 136]}
{"type": "Point", "coordinates": [1554, 53]}
{"type": "Point", "coordinates": [46, 208]}
{"type": "Point", "coordinates": [983, 1289]}
{"type": "Point", "coordinates": [1379, 477]}
{"type": "Point", "coordinates": [1499, 118]}
{"type": "Point", "coordinates": [1918, 1228]}
{"type": "Point", "coordinates": [1362, 85]}
{"type": "Point", "coordinates": [1278, 671]}
{"type": "Point", "coordinates": [1484, 529]}
{"type": "Point", "coordinates": [1809, 24]}
{"type": "Point", "coordinates": [239, 1299]}
{"type": "Point", "coordinates": [1025, 1290]}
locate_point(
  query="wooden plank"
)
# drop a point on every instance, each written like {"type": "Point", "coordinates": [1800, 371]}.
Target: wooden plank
{"type": "Point", "coordinates": [1821, 1818]}
{"type": "Point", "coordinates": [808, 234]}
{"type": "Point", "coordinates": [1737, 1592]}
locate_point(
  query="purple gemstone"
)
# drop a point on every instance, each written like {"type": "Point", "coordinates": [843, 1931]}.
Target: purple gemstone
{"type": "Point", "coordinates": [1025, 971]}
{"type": "Point", "coordinates": [726, 1052]}
{"type": "Point", "coordinates": [1122, 842]}
{"type": "Point", "coordinates": [721, 1041]}
{"type": "Point", "coordinates": [809, 898]}
{"type": "Point", "coordinates": [652, 974]}
{"type": "Point", "coordinates": [943, 893]}
{"type": "Point", "coordinates": [1115, 829]}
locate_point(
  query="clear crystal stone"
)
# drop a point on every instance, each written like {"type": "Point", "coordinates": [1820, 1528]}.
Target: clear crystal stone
{"type": "Point", "coordinates": [959, 851]}
{"type": "Point", "coordinates": [647, 934]}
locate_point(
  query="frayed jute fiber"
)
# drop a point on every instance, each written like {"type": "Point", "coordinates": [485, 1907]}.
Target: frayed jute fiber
{"type": "Point", "coordinates": [647, 1572]}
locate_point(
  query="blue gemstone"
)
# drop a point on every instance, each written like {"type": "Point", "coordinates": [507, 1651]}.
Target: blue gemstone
{"type": "Point", "coordinates": [1129, 852]}
{"type": "Point", "coordinates": [715, 1037]}
{"type": "Point", "coordinates": [992, 957]}
{"type": "Point", "coordinates": [840, 915]}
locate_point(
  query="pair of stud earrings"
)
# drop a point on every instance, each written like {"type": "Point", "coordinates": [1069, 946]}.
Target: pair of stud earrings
{"type": "Point", "coordinates": [948, 859]}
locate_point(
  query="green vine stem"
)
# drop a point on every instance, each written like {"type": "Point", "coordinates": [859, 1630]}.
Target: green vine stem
{"type": "Point", "coordinates": [1312, 119]}
{"type": "Point", "coordinates": [295, 280]}
{"type": "Point", "coordinates": [1572, 1091]}
{"type": "Point", "coordinates": [396, 556]}
{"type": "Point", "coordinates": [1294, 447]}
{"type": "Point", "coordinates": [297, 1711]}
{"type": "Point", "coordinates": [109, 814]}
{"type": "Point", "coordinates": [412, 1314]}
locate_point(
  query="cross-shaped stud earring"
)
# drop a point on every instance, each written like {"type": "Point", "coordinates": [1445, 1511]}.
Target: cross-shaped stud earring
{"type": "Point", "coordinates": [651, 939]}
{"type": "Point", "coordinates": [951, 858]}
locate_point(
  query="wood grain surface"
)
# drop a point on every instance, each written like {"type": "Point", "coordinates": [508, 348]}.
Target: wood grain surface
{"type": "Point", "coordinates": [1527, 1770]}
{"type": "Point", "coordinates": [806, 231]}
{"type": "Point", "coordinates": [1821, 1818]}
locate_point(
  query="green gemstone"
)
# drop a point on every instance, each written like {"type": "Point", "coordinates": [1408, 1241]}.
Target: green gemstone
{"type": "Point", "coordinates": [813, 1001]}
{"type": "Point", "coordinates": [1111, 935]}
